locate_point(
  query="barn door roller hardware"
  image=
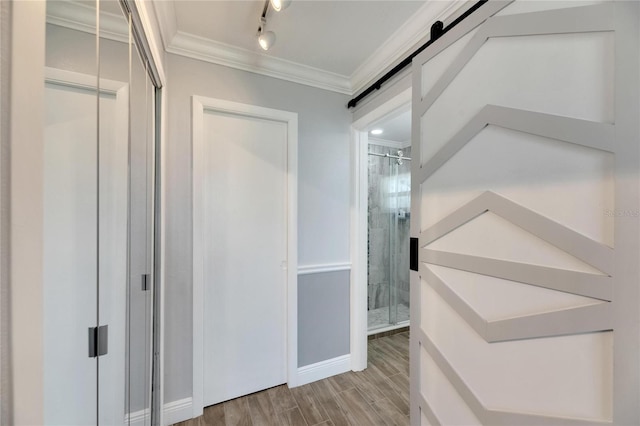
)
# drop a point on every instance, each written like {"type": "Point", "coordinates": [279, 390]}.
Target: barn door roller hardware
{"type": "Point", "coordinates": [437, 30]}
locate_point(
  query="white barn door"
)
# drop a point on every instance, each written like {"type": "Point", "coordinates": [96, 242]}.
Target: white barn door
{"type": "Point", "coordinates": [525, 198]}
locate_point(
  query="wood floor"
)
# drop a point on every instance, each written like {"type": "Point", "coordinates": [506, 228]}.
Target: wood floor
{"type": "Point", "coordinates": [378, 395]}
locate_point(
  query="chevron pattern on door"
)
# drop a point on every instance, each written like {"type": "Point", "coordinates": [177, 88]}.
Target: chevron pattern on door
{"type": "Point", "coordinates": [525, 203]}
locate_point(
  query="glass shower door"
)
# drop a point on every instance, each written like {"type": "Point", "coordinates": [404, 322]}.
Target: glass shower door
{"type": "Point", "coordinates": [388, 245]}
{"type": "Point", "coordinates": [399, 236]}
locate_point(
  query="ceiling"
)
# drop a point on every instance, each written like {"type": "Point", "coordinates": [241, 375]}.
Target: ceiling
{"type": "Point", "coordinates": [335, 36]}
{"type": "Point", "coordinates": [396, 127]}
{"type": "Point", "coordinates": [336, 45]}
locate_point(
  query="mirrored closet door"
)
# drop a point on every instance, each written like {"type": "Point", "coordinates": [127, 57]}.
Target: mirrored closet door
{"type": "Point", "coordinates": [98, 218]}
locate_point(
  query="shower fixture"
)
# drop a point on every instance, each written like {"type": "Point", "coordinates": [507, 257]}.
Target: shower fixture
{"type": "Point", "coordinates": [399, 158]}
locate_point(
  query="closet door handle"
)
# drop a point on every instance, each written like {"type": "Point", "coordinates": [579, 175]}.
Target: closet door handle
{"type": "Point", "coordinates": [98, 341]}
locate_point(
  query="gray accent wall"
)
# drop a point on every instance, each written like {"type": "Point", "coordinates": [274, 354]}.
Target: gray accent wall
{"type": "Point", "coordinates": [323, 199]}
{"type": "Point", "coordinates": [323, 316]}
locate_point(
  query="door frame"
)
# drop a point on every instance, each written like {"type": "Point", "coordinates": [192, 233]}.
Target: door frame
{"type": "Point", "coordinates": [386, 104]}
{"type": "Point", "coordinates": [199, 105]}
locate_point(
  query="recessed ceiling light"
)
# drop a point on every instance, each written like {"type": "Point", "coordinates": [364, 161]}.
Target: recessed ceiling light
{"type": "Point", "coordinates": [376, 132]}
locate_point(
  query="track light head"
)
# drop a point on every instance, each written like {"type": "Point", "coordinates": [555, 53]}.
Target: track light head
{"type": "Point", "coordinates": [279, 5]}
{"type": "Point", "coordinates": [266, 39]}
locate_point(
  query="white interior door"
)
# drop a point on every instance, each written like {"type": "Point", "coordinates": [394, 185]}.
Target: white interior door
{"type": "Point", "coordinates": [71, 229]}
{"type": "Point", "coordinates": [244, 232]}
{"type": "Point", "coordinates": [525, 204]}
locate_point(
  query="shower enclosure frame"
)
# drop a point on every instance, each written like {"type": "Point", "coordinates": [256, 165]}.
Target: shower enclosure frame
{"type": "Point", "coordinates": [395, 99]}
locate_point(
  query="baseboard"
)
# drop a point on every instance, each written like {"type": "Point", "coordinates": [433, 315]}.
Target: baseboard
{"type": "Point", "coordinates": [174, 412]}
{"type": "Point", "coordinates": [181, 410]}
{"type": "Point", "coordinates": [178, 411]}
{"type": "Point", "coordinates": [323, 369]}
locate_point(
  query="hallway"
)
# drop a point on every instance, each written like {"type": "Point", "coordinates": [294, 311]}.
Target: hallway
{"type": "Point", "coordinates": [378, 395]}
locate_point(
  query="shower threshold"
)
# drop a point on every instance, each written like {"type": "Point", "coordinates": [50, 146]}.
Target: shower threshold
{"type": "Point", "coordinates": [389, 327]}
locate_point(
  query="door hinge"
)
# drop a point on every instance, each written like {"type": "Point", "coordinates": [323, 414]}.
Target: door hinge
{"type": "Point", "coordinates": [413, 256]}
{"type": "Point", "coordinates": [98, 341]}
{"type": "Point", "coordinates": [146, 282]}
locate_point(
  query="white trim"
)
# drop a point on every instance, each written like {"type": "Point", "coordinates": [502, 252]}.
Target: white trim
{"type": "Point", "coordinates": [359, 228]}
{"type": "Point", "coordinates": [197, 113]}
{"type": "Point", "coordinates": [199, 104]}
{"type": "Point", "coordinates": [5, 409]}
{"type": "Point", "coordinates": [215, 52]}
{"type": "Point", "coordinates": [167, 21]}
{"type": "Point", "coordinates": [173, 412]}
{"type": "Point", "coordinates": [25, 149]}
{"type": "Point", "coordinates": [163, 251]}
{"type": "Point", "coordinates": [327, 267]}
{"type": "Point", "coordinates": [80, 17]}
{"type": "Point", "coordinates": [153, 29]}
{"type": "Point", "coordinates": [178, 411]}
{"type": "Point", "coordinates": [84, 81]}
{"type": "Point", "coordinates": [415, 31]}
{"type": "Point", "coordinates": [389, 144]}
{"type": "Point", "coordinates": [401, 84]}
{"type": "Point", "coordinates": [323, 369]}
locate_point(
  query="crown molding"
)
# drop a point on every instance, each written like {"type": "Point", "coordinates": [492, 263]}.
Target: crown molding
{"type": "Point", "coordinates": [167, 21]}
{"type": "Point", "coordinates": [208, 50]}
{"type": "Point", "coordinates": [80, 17]}
{"type": "Point", "coordinates": [417, 30]}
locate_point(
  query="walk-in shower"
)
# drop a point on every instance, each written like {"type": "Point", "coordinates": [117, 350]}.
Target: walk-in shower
{"type": "Point", "coordinates": [389, 202]}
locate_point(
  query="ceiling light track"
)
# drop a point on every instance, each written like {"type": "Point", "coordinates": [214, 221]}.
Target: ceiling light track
{"type": "Point", "coordinates": [266, 39]}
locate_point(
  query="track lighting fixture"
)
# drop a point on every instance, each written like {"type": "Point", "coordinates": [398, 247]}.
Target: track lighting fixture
{"type": "Point", "coordinates": [266, 39]}
{"type": "Point", "coordinates": [279, 5]}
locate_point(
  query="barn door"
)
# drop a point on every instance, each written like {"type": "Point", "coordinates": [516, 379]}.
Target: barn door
{"type": "Point", "coordinates": [525, 199]}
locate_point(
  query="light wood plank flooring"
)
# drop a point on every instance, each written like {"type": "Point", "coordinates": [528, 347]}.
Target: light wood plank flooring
{"type": "Point", "coordinates": [378, 395]}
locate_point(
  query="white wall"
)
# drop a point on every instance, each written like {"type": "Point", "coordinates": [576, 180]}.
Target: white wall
{"type": "Point", "coordinates": [323, 185]}
{"type": "Point", "coordinates": [26, 148]}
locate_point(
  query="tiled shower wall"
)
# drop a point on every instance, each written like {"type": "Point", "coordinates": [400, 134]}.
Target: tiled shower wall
{"type": "Point", "coordinates": [382, 207]}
